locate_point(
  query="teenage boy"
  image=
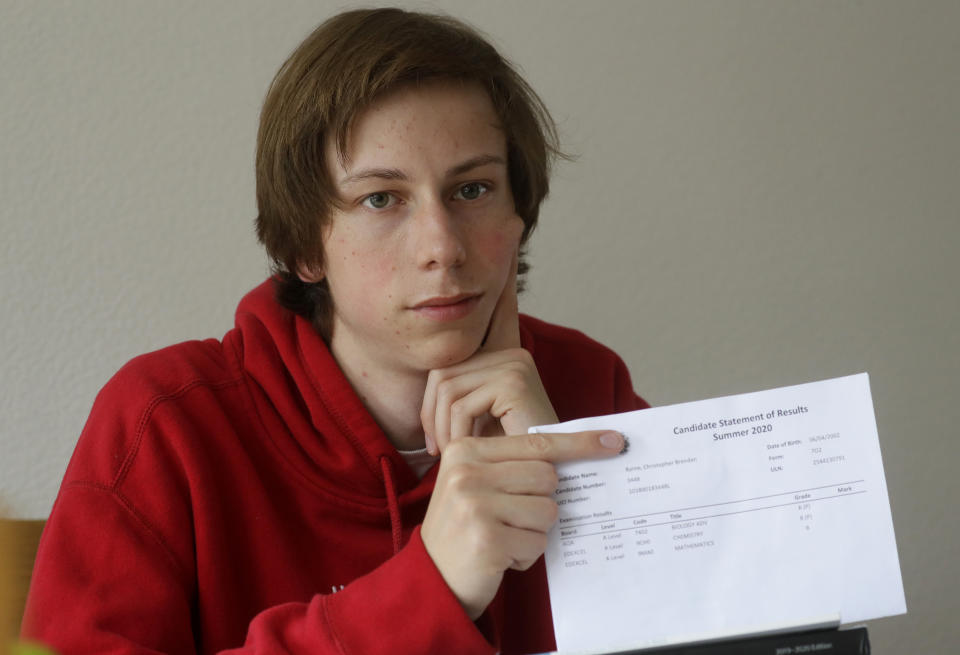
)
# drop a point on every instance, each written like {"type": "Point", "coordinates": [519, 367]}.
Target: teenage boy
{"type": "Point", "coordinates": [333, 475]}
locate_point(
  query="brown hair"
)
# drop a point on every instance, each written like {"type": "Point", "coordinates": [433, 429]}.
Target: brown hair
{"type": "Point", "coordinates": [339, 70]}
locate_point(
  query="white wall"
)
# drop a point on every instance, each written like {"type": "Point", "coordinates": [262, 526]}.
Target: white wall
{"type": "Point", "coordinates": [766, 193]}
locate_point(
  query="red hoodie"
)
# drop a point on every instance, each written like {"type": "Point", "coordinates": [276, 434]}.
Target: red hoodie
{"type": "Point", "coordinates": [236, 494]}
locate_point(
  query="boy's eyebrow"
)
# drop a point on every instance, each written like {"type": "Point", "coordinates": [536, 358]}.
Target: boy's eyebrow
{"type": "Point", "coordinates": [475, 162]}
{"type": "Point", "coordinates": [397, 174]}
{"type": "Point", "coordinates": [377, 173]}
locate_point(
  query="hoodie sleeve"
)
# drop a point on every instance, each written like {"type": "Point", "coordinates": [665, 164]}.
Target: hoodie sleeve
{"type": "Point", "coordinates": [403, 606]}
{"type": "Point", "coordinates": [105, 583]}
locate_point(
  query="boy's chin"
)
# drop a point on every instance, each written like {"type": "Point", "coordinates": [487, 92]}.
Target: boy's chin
{"type": "Point", "coordinates": [448, 351]}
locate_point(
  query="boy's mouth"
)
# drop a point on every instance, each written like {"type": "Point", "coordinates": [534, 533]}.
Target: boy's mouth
{"type": "Point", "coordinates": [447, 308]}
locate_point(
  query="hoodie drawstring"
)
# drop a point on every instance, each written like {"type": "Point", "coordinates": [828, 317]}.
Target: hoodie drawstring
{"type": "Point", "coordinates": [393, 505]}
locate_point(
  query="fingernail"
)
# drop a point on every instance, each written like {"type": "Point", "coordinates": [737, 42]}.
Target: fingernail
{"type": "Point", "coordinates": [613, 441]}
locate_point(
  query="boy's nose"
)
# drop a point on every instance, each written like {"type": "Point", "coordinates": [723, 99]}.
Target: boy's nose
{"type": "Point", "coordinates": [438, 237]}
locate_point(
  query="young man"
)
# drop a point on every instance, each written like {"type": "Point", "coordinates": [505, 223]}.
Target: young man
{"type": "Point", "coordinates": [348, 469]}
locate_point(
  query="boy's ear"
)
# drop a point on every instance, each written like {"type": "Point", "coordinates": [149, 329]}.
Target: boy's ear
{"type": "Point", "coordinates": [309, 274]}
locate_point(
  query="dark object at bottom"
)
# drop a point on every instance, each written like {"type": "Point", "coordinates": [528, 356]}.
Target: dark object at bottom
{"type": "Point", "coordinates": [849, 641]}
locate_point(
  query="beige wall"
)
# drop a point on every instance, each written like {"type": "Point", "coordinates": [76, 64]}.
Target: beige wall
{"type": "Point", "coordinates": [766, 193]}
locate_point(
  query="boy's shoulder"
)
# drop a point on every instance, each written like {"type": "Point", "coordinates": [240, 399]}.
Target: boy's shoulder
{"type": "Point", "coordinates": [539, 336]}
{"type": "Point", "coordinates": [566, 354]}
{"type": "Point", "coordinates": [582, 376]}
{"type": "Point", "coordinates": [168, 371]}
{"type": "Point", "coordinates": [154, 400]}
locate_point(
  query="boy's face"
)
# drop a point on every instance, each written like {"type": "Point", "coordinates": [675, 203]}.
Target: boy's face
{"type": "Point", "coordinates": [428, 237]}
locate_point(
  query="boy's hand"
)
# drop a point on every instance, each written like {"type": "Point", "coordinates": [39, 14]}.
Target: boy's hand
{"type": "Point", "coordinates": [497, 391]}
{"type": "Point", "coordinates": [493, 505]}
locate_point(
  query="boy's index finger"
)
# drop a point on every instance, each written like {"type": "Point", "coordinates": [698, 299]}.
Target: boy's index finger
{"type": "Point", "coordinates": [550, 447]}
{"type": "Point", "coordinates": [503, 332]}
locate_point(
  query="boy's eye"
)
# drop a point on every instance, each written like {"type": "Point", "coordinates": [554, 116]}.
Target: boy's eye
{"type": "Point", "coordinates": [471, 191]}
{"type": "Point", "coordinates": [379, 200]}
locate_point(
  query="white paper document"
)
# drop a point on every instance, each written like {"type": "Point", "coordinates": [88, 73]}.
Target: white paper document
{"type": "Point", "coordinates": [728, 516]}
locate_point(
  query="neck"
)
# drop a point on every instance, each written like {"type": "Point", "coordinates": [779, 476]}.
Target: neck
{"type": "Point", "coordinates": [396, 411]}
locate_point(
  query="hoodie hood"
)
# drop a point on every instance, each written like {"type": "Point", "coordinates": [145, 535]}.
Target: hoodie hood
{"type": "Point", "coordinates": [310, 411]}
